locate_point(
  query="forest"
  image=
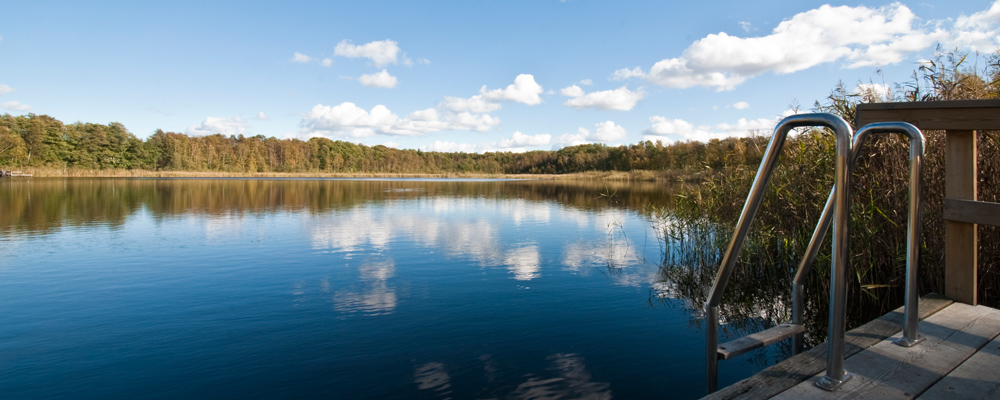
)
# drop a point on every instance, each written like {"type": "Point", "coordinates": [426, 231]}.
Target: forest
{"type": "Point", "coordinates": [43, 141]}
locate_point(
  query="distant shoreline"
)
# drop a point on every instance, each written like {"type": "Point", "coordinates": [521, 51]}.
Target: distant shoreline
{"type": "Point", "coordinates": [627, 176]}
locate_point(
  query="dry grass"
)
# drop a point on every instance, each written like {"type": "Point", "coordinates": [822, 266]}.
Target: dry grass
{"type": "Point", "coordinates": [618, 176]}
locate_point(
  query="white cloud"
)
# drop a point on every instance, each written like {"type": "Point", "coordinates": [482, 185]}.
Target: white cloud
{"type": "Point", "coordinates": [620, 99]}
{"type": "Point", "coordinates": [224, 126]}
{"type": "Point", "coordinates": [476, 104]}
{"type": "Point", "coordinates": [671, 130]}
{"type": "Point", "coordinates": [391, 144]}
{"type": "Point", "coordinates": [262, 117]}
{"type": "Point", "coordinates": [15, 106]}
{"type": "Point", "coordinates": [587, 82]}
{"type": "Point", "coordinates": [380, 79]}
{"type": "Point", "coordinates": [517, 143]}
{"type": "Point", "coordinates": [741, 105]}
{"type": "Point", "coordinates": [382, 52]}
{"type": "Point", "coordinates": [300, 58]}
{"type": "Point", "coordinates": [873, 91]}
{"type": "Point", "coordinates": [326, 62]}
{"type": "Point", "coordinates": [745, 26]}
{"type": "Point", "coordinates": [977, 32]}
{"type": "Point", "coordinates": [4, 89]}
{"type": "Point", "coordinates": [520, 140]}
{"type": "Point", "coordinates": [569, 139]}
{"type": "Point", "coordinates": [572, 91]}
{"type": "Point", "coordinates": [450, 147]}
{"type": "Point", "coordinates": [524, 90]}
{"type": "Point", "coordinates": [861, 36]}
{"type": "Point", "coordinates": [626, 73]}
{"type": "Point", "coordinates": [351, 120]}
{"type": "Point", "coordinates": [608, 132]}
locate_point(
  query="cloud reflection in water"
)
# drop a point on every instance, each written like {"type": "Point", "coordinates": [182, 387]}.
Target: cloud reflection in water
{"type": "Point", "coordinates": [376, 298]}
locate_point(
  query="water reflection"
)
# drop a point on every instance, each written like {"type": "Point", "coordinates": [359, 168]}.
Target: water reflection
{"type": "Point", "coordinates": [79, 201]}
{"type": "Point", "coordinates": [403, 294]}
{"type": "Point", "coordinates": [434, 377]}
{"type": "Point", "coordinates": [376, 297]}
{"type": "Point", "coordinates": [567, 377]}
{"type": "Point", "coordinates": [524, 263]}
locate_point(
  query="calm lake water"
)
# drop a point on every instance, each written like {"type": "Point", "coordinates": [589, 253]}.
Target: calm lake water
{"type": "Point", "coordinates": [321, 288]}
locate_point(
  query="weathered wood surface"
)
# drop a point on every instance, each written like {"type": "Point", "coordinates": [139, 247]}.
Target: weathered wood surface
{"type": "Point", "coordinates": [933, 115]}
{"type": "Point", "coordinates": [777, 378]}
{"type": "Point", "coordinates": [973, 212]}
{"type": "Point", "coordinates": [889, 371]}
{"type": "Point", "coordinates": [757, 340]}
{"type": "Point", "coordinates": [961, 238]}
{"type": "Point", "coordinates": [976, 378]}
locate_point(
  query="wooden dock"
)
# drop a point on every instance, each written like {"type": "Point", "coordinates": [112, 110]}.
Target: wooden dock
{"type": "Point", "coordinates": [960, 359]}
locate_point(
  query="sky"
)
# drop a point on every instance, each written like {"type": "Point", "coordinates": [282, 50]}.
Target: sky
{"type": "Point", "coordinates": [471, 76]}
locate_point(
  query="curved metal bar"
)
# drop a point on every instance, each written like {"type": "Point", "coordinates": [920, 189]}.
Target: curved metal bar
{"type": "Point", "coordinates": [843, 133]}
{"type": "Point", "coordinates": [916, 138]}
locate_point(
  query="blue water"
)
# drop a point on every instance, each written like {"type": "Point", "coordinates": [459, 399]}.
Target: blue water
{"type": "Point", "coordinates": [407, 290]}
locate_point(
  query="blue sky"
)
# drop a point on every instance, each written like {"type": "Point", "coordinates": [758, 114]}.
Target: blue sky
{"type": "Point", "coordinates": [464, 75]}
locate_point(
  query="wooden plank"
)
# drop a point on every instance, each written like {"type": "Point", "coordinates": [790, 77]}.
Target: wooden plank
{"type": "Point", "coordinates": [757, 340]}
{"type": "Point", "coordinates": [934, 115]}
{"type": "Point", "coordinates": [961, 241]}
{"type": "Point", "coordinates": [777, 378]}
{"type": "Point", "coordinates": [976, 378]}
{"type": "Point", "coordinates": [973, 212]}
{"type": "Point", "coordinates": [890, 371]}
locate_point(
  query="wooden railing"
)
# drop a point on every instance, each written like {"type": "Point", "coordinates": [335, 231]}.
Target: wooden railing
{"type": "Point", "coordinates": [962, 212]}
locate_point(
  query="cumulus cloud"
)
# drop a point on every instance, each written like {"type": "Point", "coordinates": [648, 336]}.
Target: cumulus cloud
{"type": "Point", "coordinates": [524, 90]}
{"type": "Point", "coordinates": [873, 91]}
{"type": "Point", "coordinates": [517, 143]}
{"type": "Point", "coordinates": [224, 126]}
{"type": "Point", "coordinates": [381, 53]}
{"type": "Point", "coordinates": [326, 62]}
{"type": "Point", "coordinates": [977, 32]}
{"type": "Point", "coordinates": [4, 89]}
{"type": "Point", "coordinates": [350, 120]}
{"type": "Point", "coordinates": [300, 58]}
{"type": "Point", "coordinates": [262, 117]}
{"type": "Point", "coordinates": [741, 105]}
{"type": "Point", "coordinates": [606, 131]}
{"type": "Point", "coordinates": [476, 104]}
{"type": "Point", "coordinates": [626, 73]}
{"type": "Point", "coordinates": [572, 91]}
{"type": "Point", "coordinates": [668, 130]}
{"type": "Point", "coordinates": [573, 139]}
{"type": "Point", "coordinates": [620, 99]}
{"type": "Point", "coordinates": [520, 140]}
{"type": "Point", "coordinates": [380, 79]}
{"type": "Point", "coordinates": [15, 106]}
{"type": "Point", "coordinates": [450, 147]}
{"type": "Point", "coordinates": [859, 36]}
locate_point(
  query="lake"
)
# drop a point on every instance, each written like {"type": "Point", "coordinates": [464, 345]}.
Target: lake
{"type": "Point", "coordinates": [340, 288]}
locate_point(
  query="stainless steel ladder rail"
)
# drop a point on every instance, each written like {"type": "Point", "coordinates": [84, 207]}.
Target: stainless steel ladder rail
{"type": "Point", "coordinates": [842, 131]}
{"type": "Point", "coordinates": [911, 315]}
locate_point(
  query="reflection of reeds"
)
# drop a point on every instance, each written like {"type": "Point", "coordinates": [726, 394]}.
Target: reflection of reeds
{"type": "Point", "coordinates": [610, 176]}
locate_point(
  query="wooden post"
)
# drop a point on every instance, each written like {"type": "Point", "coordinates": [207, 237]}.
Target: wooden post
{"type": "Point", "coordinates": [961, 238]}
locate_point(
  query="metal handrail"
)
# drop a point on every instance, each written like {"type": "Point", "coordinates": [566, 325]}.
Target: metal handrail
{"type": "Point", "coordinates": [911, 315]}
{"type": "Point", "coordinates": [838, 294]}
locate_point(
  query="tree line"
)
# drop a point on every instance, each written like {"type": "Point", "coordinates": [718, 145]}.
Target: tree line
{"type": "Point", "coordinates": [43, 141]}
